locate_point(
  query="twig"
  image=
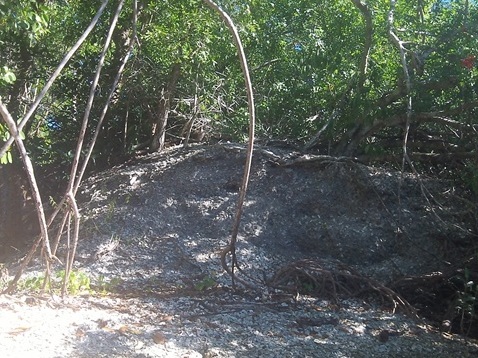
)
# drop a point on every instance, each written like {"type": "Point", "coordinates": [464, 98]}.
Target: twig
{"type": "Point", "coordinates": [399, 43]}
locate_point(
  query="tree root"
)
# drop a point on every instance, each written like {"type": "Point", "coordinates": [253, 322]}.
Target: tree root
{"type": "Point", "coordinates": [311, 277]}
{"type": "Point", "coordinates": [230, 249]}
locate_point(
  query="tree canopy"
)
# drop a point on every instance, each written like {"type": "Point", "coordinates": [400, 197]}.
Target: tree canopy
{"type": "Point", "coordinates": [331, 75]}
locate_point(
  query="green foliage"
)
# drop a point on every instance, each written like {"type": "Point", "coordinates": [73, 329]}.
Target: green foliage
{"type": "Point", "coordinates": [78, 282]}
{"type": "Point", "coordinates": [471, 177]}
{"type": "Point", "coordinates": [24, 19]}
{"type": "Point", "coordinates": [34, 283]}
{"type": "Point", "coordinates": [7, 77]}
{"type": "Point", "coordinates": [304, 59]}
{"type": "Point", "coordinates": [105, 286]}
{"type": "Point", "coordinates": [206, 283]}
{"type": "Point", "coordinates": [4, 135]}
{"type": "Point", "coordinates": [6, 158]}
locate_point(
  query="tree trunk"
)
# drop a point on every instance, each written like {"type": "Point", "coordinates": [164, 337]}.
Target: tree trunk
{"type": "Point", "coordinates": [162, 113]}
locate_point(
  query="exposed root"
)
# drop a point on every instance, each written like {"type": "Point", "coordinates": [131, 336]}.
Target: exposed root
{"type": "Point", "coordinates": [230, 250]}
{"type": "Point", "coordinates": [448, 298]}
{"type": "Point", "coordinates": [311, 277]}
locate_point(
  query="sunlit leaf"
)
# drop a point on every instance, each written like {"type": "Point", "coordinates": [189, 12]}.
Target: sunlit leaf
{"type": "Point", "coordinates": [6, 158]}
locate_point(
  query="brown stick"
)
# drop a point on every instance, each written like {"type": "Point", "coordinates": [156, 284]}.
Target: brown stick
{"type": "Point", "coordinates": [367, 15]}
{"type": "Point", "coordinates": [74, 176]}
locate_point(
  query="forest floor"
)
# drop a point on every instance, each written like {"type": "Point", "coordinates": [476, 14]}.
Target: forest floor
{"type": "Point", "coordinates": [321, 241]}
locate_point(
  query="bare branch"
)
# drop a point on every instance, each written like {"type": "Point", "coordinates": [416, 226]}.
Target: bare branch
{"type": "Point", "coordinates": [400, 45]}
{"type": "Point", "coordinates": [132, 43]}
{"type": "Point", "coordinates": [367, 15]}
{"type": "Point", "coordinates": [231, 248]}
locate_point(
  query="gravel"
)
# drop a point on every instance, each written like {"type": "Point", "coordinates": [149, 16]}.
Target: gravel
{"type": "Point", "coordinates": [215, 324]}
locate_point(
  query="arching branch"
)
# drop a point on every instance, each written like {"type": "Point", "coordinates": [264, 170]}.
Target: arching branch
{"type": "Point", "coordinates": [231, 248]}
{"type": "Point", "coordinates": [15, 134]}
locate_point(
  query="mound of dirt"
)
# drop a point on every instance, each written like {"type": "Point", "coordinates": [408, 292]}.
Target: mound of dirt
{"type": "Point", "coordinates": [384, 223]}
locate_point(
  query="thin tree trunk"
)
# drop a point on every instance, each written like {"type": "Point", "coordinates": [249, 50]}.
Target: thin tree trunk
{"type": "Point", "coordinates": [162, 114]}
{"type": "Point", "coordinates": [15, 133]}
{"type": "Point", "coordinates": [367, 15]}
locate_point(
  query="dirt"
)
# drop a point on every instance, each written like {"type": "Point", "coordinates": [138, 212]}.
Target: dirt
{"type": "Point", "coordinates": [154, 227]}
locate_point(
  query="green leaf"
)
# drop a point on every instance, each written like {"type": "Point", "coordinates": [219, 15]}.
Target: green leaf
{"type": "Point", "coordinates": [7, 75]}
{"type": "Point", "coordinates": [6, 158]}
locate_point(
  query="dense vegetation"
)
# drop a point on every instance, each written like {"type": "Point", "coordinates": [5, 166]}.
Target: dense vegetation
{"type": "Point", "coordinates": [346, 77]}
{"type": "Point", "coordinates": [390, 82]}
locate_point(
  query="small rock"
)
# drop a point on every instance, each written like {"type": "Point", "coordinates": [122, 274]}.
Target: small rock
{"type": "Point", "coordinates": [159, 337]}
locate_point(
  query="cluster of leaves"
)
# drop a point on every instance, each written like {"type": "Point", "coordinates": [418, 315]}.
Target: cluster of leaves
{"type": "Point", "coordinates": [465, 302]}
{"type": "Point", "coordinates": [78, 282]}
{"type": "Point", "coordinates": [24, 25]}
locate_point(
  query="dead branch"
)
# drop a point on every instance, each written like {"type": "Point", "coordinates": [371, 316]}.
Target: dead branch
{"type": "Point", "coordinates": [408, 84]}
{"type": "Point", "coordinates": [367, 15]}
{"type": "Point", "coordinates": [315, 160]}
{"type": "Point", "coordinates": [15, 134]}
{"type": "Point", "coordinates": [437, 158]}
{"type": "Point", "coordinates": [160, 118]}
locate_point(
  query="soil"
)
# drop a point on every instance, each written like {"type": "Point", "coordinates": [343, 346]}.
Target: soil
{"type": "Point", "coordinates": [153, 230]}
